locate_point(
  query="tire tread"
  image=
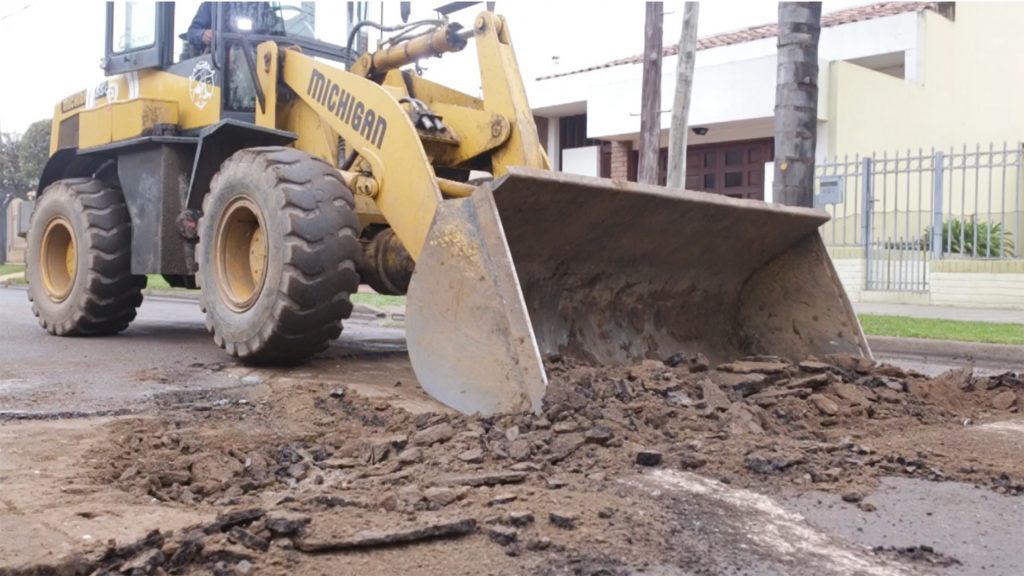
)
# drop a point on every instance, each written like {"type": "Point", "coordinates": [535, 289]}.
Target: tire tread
{"type": "Point", "coordinates": [112, 293]}
{"type": "Point", "coordinates": [321, 247]}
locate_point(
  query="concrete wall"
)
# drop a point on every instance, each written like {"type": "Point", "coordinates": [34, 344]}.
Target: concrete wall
{"type": "Point", "coordinates": [851, 273]}
{"type": "Point", "coordinates": [614, 111]}
{"type": "Point", "coordinates": [585, 161]}
{"type": "Point", "coordinates": [977, 290]}
{"type": "Point", "coordinates": [965, 283]}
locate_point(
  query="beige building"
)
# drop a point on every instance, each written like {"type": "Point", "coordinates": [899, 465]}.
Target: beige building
{"type": "Point", "coordinates": [928, 93]}
{"type": "Point", "coordinates": [14, 245]}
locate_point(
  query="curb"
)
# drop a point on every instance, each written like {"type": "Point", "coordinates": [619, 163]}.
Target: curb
{"type": "Point", "coordinates": [180, 294]}
{"type": "Point", "coordinates": [1002, 354]}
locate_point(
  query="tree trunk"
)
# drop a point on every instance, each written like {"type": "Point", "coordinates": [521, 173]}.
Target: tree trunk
{"type": "Point", "coordinates": [681, 103]}
{"type": "Point", "coordinates": [650, 111]}
{"type": "Point", "coordinates": [796, 102]}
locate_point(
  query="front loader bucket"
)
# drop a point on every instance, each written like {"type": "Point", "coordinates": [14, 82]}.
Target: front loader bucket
{"type": "Point", "coordinates": [612, 272]}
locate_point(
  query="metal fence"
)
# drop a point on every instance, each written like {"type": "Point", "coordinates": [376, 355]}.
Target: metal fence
{"type": "Point", "coordinates": [908, 208]}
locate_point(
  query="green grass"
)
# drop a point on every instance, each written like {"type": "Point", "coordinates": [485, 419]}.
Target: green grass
{"type": "Point", "coordinates": [6, 269]}
{"type": "Point", "coordinates": [933, 329]}
{"type": "Point", "coordinates": [378, 300]}
{"type": "Point", "coordinates": [157, 282]}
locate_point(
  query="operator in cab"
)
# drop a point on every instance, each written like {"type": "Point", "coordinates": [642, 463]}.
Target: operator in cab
{"type": "Point", "coordinates": [257, 17]}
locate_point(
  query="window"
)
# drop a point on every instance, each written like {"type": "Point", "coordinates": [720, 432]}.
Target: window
{"type": "Point", "coordinates": [134, 25]}
{"type": "Point", "coordinates": [733, 179]}
{"type": "Point", "coordinates": [573, 132]}
{"type": "Point", "coordinates": [133, 39]}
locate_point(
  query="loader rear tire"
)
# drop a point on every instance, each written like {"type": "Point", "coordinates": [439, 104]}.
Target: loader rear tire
{"type": "Point", "coordinates": [277, 252]}
{"type": "Point", "coordinates": [79, 260]}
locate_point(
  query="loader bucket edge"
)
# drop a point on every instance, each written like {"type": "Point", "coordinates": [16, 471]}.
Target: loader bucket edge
{"type": "Point", "coordinates": [467, 328]}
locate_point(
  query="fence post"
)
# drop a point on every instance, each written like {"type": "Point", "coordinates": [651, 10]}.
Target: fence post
{"type": "Point", "coordinates": [867, 200]}
{"type": "Point", "coordinates": [937, 172]}
{"type": "Point", "coordinates": [867, 189]}
{"type": "Point", "coordinates": [1019, 198]}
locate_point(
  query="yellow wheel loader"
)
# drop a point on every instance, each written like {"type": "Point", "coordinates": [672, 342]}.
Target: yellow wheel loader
{"type": "Point", "coordinates": [277, 172]}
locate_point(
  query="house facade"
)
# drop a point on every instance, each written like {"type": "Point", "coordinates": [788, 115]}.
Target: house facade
{"type": "Point", "coordinates": [926, 93]}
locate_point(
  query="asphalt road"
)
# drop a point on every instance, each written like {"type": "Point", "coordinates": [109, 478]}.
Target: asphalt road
{"type": "Point", "coordinates": [166, 350]}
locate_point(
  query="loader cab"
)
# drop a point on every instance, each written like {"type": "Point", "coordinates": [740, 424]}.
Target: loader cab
{"type": "Point", "coordinates": [154, 35]}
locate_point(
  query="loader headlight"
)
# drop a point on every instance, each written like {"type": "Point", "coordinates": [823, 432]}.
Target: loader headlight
{"type": "Point", "coordinates": [243, 24]}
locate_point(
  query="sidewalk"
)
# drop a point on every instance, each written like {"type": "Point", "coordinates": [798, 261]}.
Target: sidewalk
{"type": "Point", "coordinates": [942, 312]}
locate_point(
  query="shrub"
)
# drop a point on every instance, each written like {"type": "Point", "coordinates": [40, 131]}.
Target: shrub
{"type": "Point", "coordinates": [959, 235]}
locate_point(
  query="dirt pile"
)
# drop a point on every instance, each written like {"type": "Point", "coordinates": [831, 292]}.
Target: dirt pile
{"type": "Point", "coordinates": [763, 420]}
{"type": "Point", "coordinates": [306, 471]}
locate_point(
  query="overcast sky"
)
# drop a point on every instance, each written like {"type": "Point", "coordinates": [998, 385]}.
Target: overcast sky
{"type": "Point", "coordinates": [52, 48]}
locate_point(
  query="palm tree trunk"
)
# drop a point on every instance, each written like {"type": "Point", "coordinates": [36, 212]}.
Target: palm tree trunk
{"type": "Point", "coordinates": [796, 102]}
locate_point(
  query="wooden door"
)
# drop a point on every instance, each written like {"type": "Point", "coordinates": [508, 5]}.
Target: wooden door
{"type": "Point", "coordinates": [732, 168]}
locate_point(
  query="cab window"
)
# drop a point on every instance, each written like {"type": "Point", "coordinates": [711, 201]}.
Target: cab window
{"type": "Point", "coordinates": [136, 37]}
{"type": "Point", "coordinates": [134, 25]}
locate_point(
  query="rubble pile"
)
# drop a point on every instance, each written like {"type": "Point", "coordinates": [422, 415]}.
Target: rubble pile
{"type": "Point", "coordinates": [361, 473]}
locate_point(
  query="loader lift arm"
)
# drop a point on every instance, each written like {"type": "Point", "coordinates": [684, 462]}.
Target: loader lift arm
{"type": "Point", "coordinates": [371, 109]}
{"type": "Point", "coordinates": [467, 326]}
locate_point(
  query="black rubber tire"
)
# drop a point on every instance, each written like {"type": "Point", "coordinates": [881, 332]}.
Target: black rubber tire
{"type": "Point", "coordinates": [105, 294]}
{"type": "Point", "coordinates": [311, 234]}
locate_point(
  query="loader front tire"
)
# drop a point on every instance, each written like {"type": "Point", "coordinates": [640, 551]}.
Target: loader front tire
{"type": "Point", "coordinates": [79, 260]}
{"type": "Point", "coordinates": [277, 252]}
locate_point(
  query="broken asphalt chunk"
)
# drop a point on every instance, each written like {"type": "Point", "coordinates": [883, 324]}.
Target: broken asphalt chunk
{"type": "Point", "coordinates": [229, 520]}
{"type": "Point", "coordinates": [481, 479]}
{"type": "Point", "coordinates": [502, 534]}
{"type": "Point", "coordinates": [434, 434]}
{"type": "Point", "coordinates": [378, 538]}
{"type": "Point", "coordinates": [286, 525]}
{"type": "Point", "coordinates": [750, 366]}
{"type": "Point", "coordinates": [251, 541]}
{"type": "Point", "coordinates": [562, 520]}
{"type": "Point", "coordinates": [648, 457]}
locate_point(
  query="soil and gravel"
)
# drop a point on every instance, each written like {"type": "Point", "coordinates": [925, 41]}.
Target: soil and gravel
{"type": "Point", "coordinates": [318, 478]}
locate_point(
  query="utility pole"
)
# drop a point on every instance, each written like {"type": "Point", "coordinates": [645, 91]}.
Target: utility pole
{"type": "Point", "coordinates": [796, 102]}
{"type": "Point", "coordinates": [681, 104]}
{"type": "Point", "coordinates": [650, 96]}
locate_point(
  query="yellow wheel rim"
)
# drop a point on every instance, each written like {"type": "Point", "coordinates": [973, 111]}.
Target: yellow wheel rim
{"type": "Point", "coordinates": [58, 259]}
{"type": "Point", "coordinates": [241, 254]}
